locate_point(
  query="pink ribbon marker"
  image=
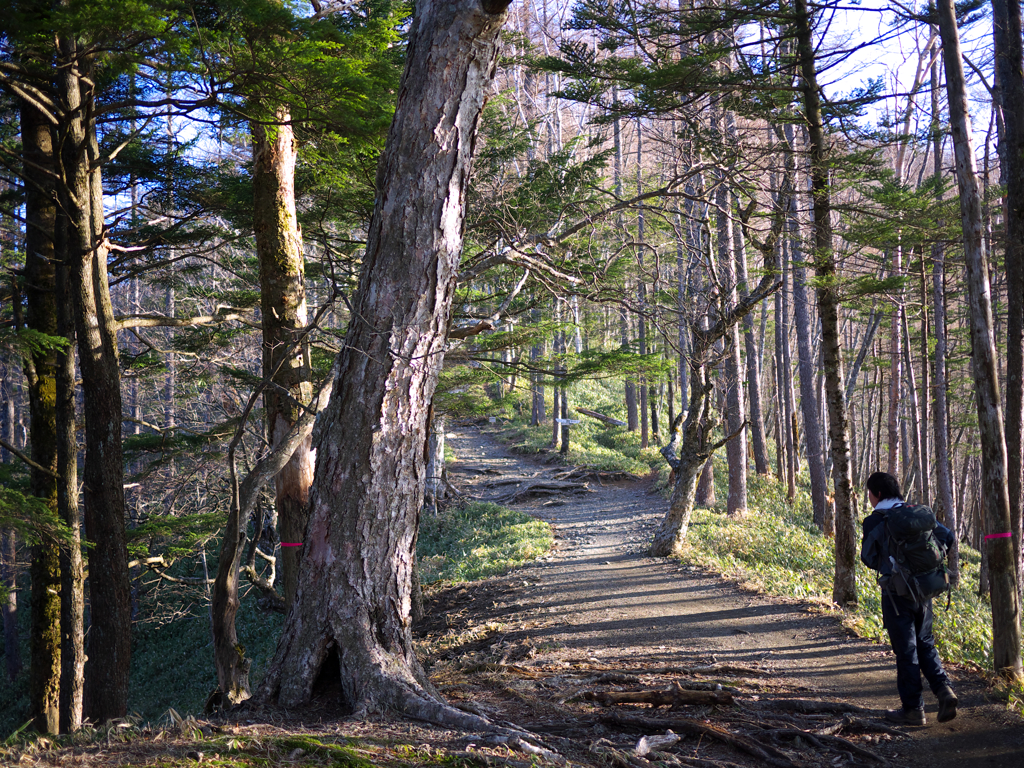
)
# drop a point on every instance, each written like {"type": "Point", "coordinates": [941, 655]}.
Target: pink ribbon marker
{"type": "Point", "coordinates": [285, 544]}
{"type": "Point", "coordinates": [998, 536]}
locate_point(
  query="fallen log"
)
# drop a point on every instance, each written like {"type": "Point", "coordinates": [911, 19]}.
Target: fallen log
{"type": "Point", "coordinates": [672, 697]}
{"type": "Point", "coordinates": [602, 418]}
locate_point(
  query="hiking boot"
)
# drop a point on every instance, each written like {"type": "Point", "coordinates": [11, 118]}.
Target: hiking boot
{"type": "Point", "coordinates": [905, 716]}
{"type": "Point", "coordinates": [947, 704]}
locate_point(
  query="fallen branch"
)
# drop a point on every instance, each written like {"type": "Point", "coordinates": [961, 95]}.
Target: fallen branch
{"type": "Point", "coordinates": [648, 744]}
{"type": "Point", "coordinates": [602, 418]}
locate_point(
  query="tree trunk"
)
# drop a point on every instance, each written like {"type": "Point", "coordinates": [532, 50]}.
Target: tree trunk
{"type": "Point", "coordinates": [9, 606]}
{"type": "Point", "coordinates": [435, 486]}
{"type": "Point", "coordinates": [809, 405]}
{"type": "Point", "coordinates": [895, 378]}
{"type": "Point", "coordinates": [915, 416]}
{"type": "Point", "coordinates": [354, 594]}
{"type": "Point", "coordinates": [691, 441]}
{"type": "Point", "coordinates": [844, 587]}
{"type": "Point", "coordinates": [784, 373]}
{"type": "Point", "coordinates": [1002, 558]}
{"type": "Point", "coordinates": [537, 400]}
{"type": "Point", "coordinates": [41, 374]}
{"type": "Point", "coordinates": [1006, 30]}
{"type": "Point", "coordinates": [72, 567]}
{"type": "Point", "coordinates": [283, 310]}
{"type": "Point", "coordinates": [752, 349]}
{"type": "Point", "coordinates": [109, 652]}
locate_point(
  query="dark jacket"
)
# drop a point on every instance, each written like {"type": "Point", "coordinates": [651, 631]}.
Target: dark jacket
{"type": "Point", "coordinates": [874, 549]}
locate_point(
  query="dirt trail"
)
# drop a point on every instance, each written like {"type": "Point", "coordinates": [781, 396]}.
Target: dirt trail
{"type": "Point", "coordinates": [598, 599]}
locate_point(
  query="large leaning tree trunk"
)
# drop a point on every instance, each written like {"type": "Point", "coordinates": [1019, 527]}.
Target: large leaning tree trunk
{"type": "Point", "coordinates": [355, 580]}
{"type": "Point", "coordinates": [283, 305]}
{"type": "Point", "coordinates": [1001, 557]}
{"type": "Point", "coordinates": [81, 198]}
{"type": "Point", "coordinates": [844, 583]}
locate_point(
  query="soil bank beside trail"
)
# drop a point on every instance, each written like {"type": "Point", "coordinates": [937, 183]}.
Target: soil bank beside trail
{"type": "Point", "coordinates": [598, 597]}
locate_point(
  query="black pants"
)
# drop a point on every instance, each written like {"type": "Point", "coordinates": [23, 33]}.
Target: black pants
{"type": "Point", "coordinates": [910, 634]}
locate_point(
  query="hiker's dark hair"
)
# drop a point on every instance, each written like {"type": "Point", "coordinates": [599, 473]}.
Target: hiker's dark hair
{"type": "Point", "coordinates": [884, 486]}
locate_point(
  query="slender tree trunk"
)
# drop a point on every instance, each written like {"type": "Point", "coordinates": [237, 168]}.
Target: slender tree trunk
{"type": "Point", "coordinates": [1002, 558]}
{"type": "Point", "coordinates": [354, 594]}
{"type": "Point", "coordinates": [1006, 30]}
{"type": "Point", "coordinates": [9, 606]}
{"type": "Point", "coordinates": [283, 310]}
{"type": "Point", "coordinates": [632, 414]}
{"type": "Point", "coordinates": [72, 567]}
{"type": "Point", "coordinates": [925, 432]}
{"type": "Point", "coordinates": [844, 588]}
{"type": "Point", "coordinates": [536, 353]}
{"type": "Point", "coordinates": [109, 651]}
{"type": "Point", "coordinates": [641, 294]}
{"type": "Point", "coordinates": [915, 415]}
{"type": "Point", "coordinates": [435, 487]}
{"type": "Point", "coordinates": [810, 408]}
{"type": "Point", "coordinates": [752, 350]}
{"type": "Point", "coordinates": [691, 446]}
{"type": "Point", "coordinates": [895, 374]}
{"type": "Point", "coordinates": [735, 450]}
{"type": "Point", "coordinates": [783, 373]}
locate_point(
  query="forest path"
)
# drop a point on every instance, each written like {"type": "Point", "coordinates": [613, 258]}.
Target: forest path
{"type": "Point", "coordinates": [598, 601]}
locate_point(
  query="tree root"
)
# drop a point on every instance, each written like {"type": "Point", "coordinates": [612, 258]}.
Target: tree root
{"type": "Point", "coordinates": [768, 754]}
{"type": "Point", "coordinates": [674, 697]}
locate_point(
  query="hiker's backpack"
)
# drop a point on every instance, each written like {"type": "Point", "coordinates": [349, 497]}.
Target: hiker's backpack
{"type": "Point", "coordinates": [917, 556]}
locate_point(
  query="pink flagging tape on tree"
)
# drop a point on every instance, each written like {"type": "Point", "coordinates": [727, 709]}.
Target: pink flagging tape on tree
{"type": "Point", "coordinates": [998, 535]}
{"type": "Point", "coordinates": [286, 544]}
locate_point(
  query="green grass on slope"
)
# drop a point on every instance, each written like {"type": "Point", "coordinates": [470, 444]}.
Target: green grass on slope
{"type": "Point", "coordinates": [476, 541]}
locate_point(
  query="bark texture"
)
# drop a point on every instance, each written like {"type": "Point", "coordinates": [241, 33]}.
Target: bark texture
{"type": "Point", "coordinates": [993, 488]}
{"type": "Point", "coordinates": [81, 198]}
{"type": "Point", "coordinates": [283, 305]}
{"type": "Point", "coordinates": [354, 594]}
{"type": "Point", "coordinates": [41, 374]}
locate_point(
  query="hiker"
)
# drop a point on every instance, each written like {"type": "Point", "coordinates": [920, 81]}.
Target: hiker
{"type": "Point", "coordinates": [906, 618]}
